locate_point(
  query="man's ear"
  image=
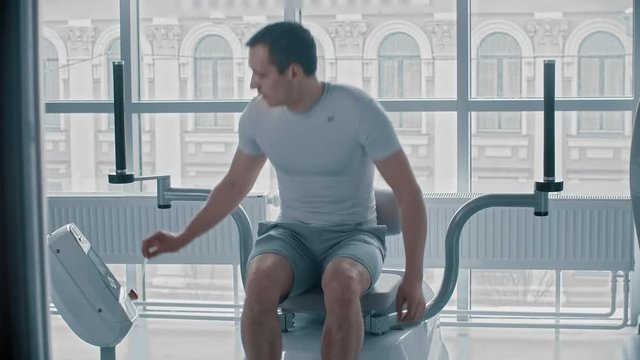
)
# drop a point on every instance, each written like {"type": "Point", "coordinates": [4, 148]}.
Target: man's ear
{"type": "Point", "coordinates": [295, 71]}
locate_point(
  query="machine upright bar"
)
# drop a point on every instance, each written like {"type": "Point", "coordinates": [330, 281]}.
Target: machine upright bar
{"type": "Point", "coordinates": [118, 115]}
{"type": "Point", "coordinates": [120, 176]}
{"type": "Point", "coordinates": [549, 121]}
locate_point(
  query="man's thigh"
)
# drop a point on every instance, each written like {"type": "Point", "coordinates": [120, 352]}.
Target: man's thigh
{"type": "Point", "coordinates": [274, 239]}
{"type": "Point", "coordinates": [362, 247]}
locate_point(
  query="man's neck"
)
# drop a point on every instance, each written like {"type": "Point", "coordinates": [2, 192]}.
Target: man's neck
{"type": "Point", "coordinates": [308, 94]}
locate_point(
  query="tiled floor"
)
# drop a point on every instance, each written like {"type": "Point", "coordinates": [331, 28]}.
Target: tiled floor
{"type": "Point", "coordinates": [202, 339]}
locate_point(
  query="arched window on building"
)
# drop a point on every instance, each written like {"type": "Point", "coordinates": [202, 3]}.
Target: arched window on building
{"type": "Point", "coordinates": [399, 75]}
{"type": "Point", "coordinates": [601, 73]}
{"type": "Point", "coordinates": [213, 71]}
{"type": "Point", "coordinates": [112, 54]}
{"type": "Point", "coordinates": [51, 90]}
{"type": "Point", "coordinates": [499, 76]}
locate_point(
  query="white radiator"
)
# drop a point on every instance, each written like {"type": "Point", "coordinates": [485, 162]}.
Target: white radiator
{"type": "Point", "coordinates": [116, 225]}
{"type": "Point", "coordinates": [579, 234]}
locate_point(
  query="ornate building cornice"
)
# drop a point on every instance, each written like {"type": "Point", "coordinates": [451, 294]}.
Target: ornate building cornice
{"type": "Point", "coordinates": [442, 33]}
{"type": "Point", "coordinates": [348, 35]}
{"type": "Point", "coordinates": [79, 40]}
{"type": "Point", "coordinates": [244, 31]}
{"type": "Point", "coordinates": [548, 32]}
{"type": "Point", "coordinates": [164, 38]}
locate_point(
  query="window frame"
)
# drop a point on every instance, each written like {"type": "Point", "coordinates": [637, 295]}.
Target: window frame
{"type": "Point", "coordinates": [463, 105]}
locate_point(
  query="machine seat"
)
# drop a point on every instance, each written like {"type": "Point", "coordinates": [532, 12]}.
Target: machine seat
{"type": "Point", "coordinates": [379, 300]}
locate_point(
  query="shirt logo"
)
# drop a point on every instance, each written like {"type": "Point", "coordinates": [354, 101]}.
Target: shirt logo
{"type": "Point", "coordinates": [330, 118]}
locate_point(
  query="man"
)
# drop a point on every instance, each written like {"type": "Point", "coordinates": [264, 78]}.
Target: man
{"type": "Point", "coordinates": [323, 141]}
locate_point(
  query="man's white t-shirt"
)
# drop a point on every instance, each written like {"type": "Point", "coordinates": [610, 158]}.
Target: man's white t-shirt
{"type": "Point", "coordinates": [323, 157]}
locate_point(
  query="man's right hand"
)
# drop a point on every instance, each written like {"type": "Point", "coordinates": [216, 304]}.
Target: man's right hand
{"type": "Point", "coordinates": [161, 242]}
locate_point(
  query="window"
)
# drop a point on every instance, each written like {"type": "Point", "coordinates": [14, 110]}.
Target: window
{"type": "Point", "coordinates": [400, 73]}
{"type": "Point", "coordinates": [601, 73]}
{"type": "Point", "coordinates": [195, 50]}
{"type": "Point", "coordinates": [499, 76]}
{"type": "Point", "coordinates": [51, 86]}
{"type": "Point", "coordinates": [213, 71]}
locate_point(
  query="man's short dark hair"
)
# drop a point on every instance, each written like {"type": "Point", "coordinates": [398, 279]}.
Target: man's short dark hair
{"type": "Point", "coordinates": [288, 43]}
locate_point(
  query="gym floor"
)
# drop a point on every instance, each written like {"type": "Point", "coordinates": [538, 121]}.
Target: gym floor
{"type": "Point", "coordinates": [203, 339]}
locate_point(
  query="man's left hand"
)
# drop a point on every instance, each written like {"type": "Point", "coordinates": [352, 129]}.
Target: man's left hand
{"type": "Point", "coordinates": [410, 297]}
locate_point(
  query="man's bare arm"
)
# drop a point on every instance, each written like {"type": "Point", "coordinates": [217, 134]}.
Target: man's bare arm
{"type": "Point", "coordinates": [227, 195]}
{"type": "Point", "coordinates": [224, 198]}
{"type": "Point", "coordinates": [396, 171]}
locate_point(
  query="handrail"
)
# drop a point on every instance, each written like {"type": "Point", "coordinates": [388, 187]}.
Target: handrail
{"type": "Point", "coordinates": [539, 201]}
{"type": "Point", "coordinates": [166, 194]}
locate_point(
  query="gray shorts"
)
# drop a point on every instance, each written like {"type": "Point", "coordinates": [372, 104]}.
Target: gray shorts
{"type": "Point", "coordinates": [309, 249]}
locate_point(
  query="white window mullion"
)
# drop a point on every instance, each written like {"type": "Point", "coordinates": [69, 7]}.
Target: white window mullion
{"type": "Point", "coordinates": [128, 52]}
{"type": "Point", "coordinates": [463, 132]}
{"type": "Point", "coordinates": [463, 118]}
{"type": "Point", "coordinates": [293, 10]}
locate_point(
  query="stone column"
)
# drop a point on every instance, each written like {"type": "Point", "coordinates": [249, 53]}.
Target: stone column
{"type": "Point", "coordinates": [165, 35]}
{"type": "Point", "coordinates": [79, 37]}
{"type": "Point", "coordinates": [348, 36]}
{"type": "Point", "coordinates": [443, 42]}
{"type": "Point", "coordinates": [244, 31]}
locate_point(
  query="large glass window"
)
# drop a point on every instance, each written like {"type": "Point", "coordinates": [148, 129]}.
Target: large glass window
{"type": "Point", "coordinates": [356, 33]}
{"type": "Point", "coordinates": [506, 161]}
{"type": "Point", "coordinates": [213, 79]}
{"type": "Point", "coordinates": [499, 76]}
{"type": "Point", "coordinates": [83, 29]}
{"type": "Point", "coordinates": [399, 76]}
{"type": "Point", "coordinates": [601, 73]}
{"type": "Point", "coordinates": [406, 56]}
{"type": "Point", "coordinates": [595, 163]}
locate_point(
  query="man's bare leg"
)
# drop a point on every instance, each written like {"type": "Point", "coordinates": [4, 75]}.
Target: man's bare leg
{"type": "Point", "coordinates": [343, 283]}
{"type": "Point", "coordinates": [269, 278]}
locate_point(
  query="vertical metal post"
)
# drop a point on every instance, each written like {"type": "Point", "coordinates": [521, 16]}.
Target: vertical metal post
{"type": "Point", "coordinates": [107, 353]}
{"type": "Point", "coordinates": [24, 321]}
{"type": "Point", "coordinates": [118, 116]}
{"type": "Point", "coordinates": [549, 120]}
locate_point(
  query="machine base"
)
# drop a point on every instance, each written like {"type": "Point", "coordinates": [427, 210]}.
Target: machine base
{"type": "Point", "coordinates": [421, 341]}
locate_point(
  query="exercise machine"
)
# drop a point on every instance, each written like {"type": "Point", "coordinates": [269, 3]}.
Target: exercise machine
{"type": "Point", "coordinates": [301, 317]}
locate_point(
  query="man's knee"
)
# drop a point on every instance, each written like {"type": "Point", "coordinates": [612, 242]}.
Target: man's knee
{"type": "Point", "coordinates": [269, 278]}
{"type": "Point", "coordinates": [344, 281]}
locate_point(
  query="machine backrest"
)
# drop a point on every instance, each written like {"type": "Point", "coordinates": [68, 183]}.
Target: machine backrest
{"type": "Point", "coordinates": [387, 211]}
{"type": "Point", "coordinates": [634, 170]}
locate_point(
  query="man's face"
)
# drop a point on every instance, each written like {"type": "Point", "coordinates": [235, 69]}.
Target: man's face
{"type": "Point", "coordinates": [273, 86]}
